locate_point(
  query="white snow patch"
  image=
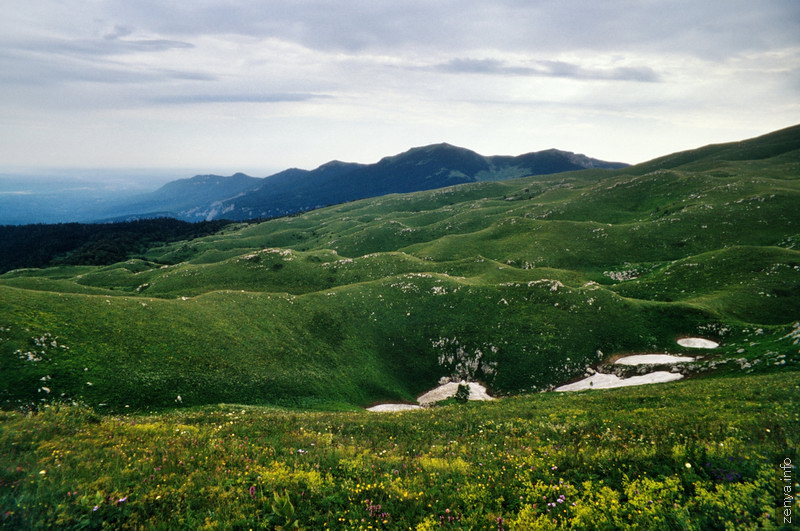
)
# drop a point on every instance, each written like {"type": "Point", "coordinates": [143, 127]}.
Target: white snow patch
{"type": "Point", "coordinates": [652, 359]}
{"type": "Point", "coordinates": [609, 381]}
{"type": "Point", "coordinates": [697, 342]}
{"type": "Point", "coordinates": [393, 407]}
{"type": "Point", "coordinates": [445, 391]}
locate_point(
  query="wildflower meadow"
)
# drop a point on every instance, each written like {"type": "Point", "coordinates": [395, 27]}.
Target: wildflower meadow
{"type": "Point", "coordinates": [700, 454]}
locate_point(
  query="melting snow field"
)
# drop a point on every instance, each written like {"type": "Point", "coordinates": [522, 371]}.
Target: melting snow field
{"type": "Point", "coordinates": [443, 392]}
{"type": "Point", "coordinates": [697, 342]}
{"type": "Point", "coordinates": [393, 407]}
{"type": "Point", "coordinates": [608, 381]}
{"type": "Point", "coordinates": [652, 359]}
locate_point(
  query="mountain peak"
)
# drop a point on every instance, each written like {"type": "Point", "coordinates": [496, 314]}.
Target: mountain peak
{"type": "Point", "coordinates": [439, 147]}
{"type": "Point", "coordinates": [443, 153]}
{"type": "Point", "coordinates": [443, 145]}
{"type": "Point", "coordinates": [335, 164]}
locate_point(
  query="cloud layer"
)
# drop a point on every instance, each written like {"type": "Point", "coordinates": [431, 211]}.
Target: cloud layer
{"type": "Point", "coordinates": [547, 69]}
{"type": "Point", "coordinates": [252, 85]}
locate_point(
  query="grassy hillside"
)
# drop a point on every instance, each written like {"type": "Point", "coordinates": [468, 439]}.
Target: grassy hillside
{"type": "Point", "coordinates": [701, 454]}
{"type": "Point", "coordinates": [529, 281]}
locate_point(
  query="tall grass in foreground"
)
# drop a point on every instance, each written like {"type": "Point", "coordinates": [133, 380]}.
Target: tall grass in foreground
{"type": "Point", "coordinates": [698, 454]}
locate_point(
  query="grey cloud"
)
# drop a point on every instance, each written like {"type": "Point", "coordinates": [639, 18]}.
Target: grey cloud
{"type": "Point", "coordinates": [52, 60]}
{"type": "Point", "coordinates": [624, 73]}
{"type": "Point", "coordinates": [353, 26]}
{"type": "Point", "coordinates": [715, 29]}
{"type": "Point", "coordinates": [187, 75]}
{"type": "Point", "coordinates": [712, 28]}
{"type": "Point", "coordinates": [98, 47]}
{"type": "Point", "coordinates": [547, 69]}
{"type": "Point", "coordinates": [156, 45]}
{"type": "Point", "coordinates": [474, 66]}
{"type": "Point", "coordinates": [278, 97]}
{"type": "Point", "coordinates": [117, 31]}
{"type": "Point", "coordinates": [25, 67]}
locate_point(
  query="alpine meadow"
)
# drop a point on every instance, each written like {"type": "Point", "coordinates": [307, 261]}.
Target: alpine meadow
{"type": "Point", "coordinates": [221, 382]}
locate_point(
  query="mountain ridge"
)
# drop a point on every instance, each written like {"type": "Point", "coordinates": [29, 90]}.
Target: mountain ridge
{"type": "Point", "coordinates": [296, 190]}
{"type": "Point", "coordinates": [182, 195]}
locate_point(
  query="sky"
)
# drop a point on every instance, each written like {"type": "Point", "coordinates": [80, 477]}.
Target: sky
{"type": "Point", "coordinates": [222, 86]}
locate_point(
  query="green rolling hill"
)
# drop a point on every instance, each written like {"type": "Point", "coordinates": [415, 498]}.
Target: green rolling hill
{"type": "Point", "coordinates": [529, 281]}
{"type": "Point", "coordinates": [172, 390]}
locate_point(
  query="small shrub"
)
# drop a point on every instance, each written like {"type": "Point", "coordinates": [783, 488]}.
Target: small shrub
{"type": "Point", "coordinates": [462, 394]}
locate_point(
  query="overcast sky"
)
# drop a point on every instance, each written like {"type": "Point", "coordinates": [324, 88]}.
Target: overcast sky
{"type": "Point", "coordinates": [259, 86]}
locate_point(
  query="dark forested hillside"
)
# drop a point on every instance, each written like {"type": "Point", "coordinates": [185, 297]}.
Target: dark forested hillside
{"type": "Point", "coordinates": [41, 245]}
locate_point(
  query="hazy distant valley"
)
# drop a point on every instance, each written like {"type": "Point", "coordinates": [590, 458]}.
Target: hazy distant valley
{"type": "Point", "coordinates": [39, 199]}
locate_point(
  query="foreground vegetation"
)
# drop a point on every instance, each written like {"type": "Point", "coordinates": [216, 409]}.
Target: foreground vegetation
{"type": "Point", "coordinates": [698, 454]}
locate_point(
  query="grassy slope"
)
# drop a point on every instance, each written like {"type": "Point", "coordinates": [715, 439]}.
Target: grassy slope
{"type": "Point", "coordinates": [698, 454]}
{"type": "Point", "coordinates": [350, 304]}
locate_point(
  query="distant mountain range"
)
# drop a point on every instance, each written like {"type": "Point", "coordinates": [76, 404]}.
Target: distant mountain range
{"type": "Point", "coordinates": [183, 198]}
{"type": "Point", "coordinates": [240, 197]}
